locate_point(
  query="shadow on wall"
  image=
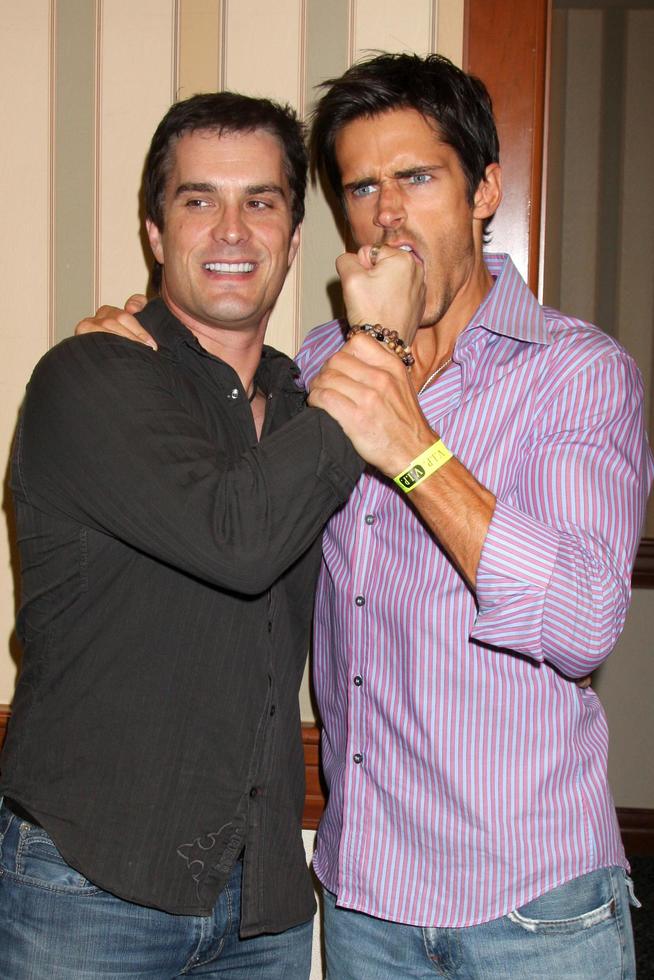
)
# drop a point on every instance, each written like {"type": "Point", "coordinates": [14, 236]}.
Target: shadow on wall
{"type": "Point", "coordinates": [15, 650]}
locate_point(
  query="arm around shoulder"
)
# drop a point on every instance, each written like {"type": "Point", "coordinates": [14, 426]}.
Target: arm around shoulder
{"type": "Point", "coordinates": [109, 441]}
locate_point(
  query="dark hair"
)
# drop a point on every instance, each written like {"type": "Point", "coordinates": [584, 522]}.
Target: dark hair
{"type": "Point", "coordinates": [457, 102]}
{"type": "Point", "coordinates": [225, 112]}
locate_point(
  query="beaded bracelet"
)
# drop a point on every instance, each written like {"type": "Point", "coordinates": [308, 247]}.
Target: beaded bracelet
{"type": "Point", "coordinates": [385, 336]}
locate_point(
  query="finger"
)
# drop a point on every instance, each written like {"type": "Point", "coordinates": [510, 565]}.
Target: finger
{"type": "Point", "coordinates": [368, 371]}
{"type": "Point", "coordinates": [136, 303]}
{"type": "Point", "coordinates": [135, 331]}
{"type": "Point", "coordinates": [371, 255]}
{"type": "Point", "coordinates": [375, 353]}
{"type": "Point", "coordinates": [334, 401]}
{"type": "Point", "coordinates": [110, 319]}
{"type": "Point", "coordinates": [373, 397]}
{"type": "Point", "coordinates": [348, 262]}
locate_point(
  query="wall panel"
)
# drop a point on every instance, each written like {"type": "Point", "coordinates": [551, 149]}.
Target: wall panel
{"type": "Point", "coordinates": [581, 170]}
{"type": "Point", "coordinates": [74, 161]}
{"type": "Point", "coordinates": [264, 54]}
{"type": "Point", "coordinates": [200, 40]}
{"type": "Point", "coordinates": [137, 81]}
{"type": "Point", "coordinates": [390, 26]}
{"type": "Point", "coordinates": [26, 252]}
{"type": "Point", "coordinates": [323, 236]}
{"type": "Point", "coordinates": [635, 281]}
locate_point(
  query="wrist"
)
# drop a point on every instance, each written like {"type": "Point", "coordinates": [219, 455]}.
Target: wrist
{"type": "Point", "coordinates": [424, 465]}
{"type": "Point", "coordinates": [383, 335]}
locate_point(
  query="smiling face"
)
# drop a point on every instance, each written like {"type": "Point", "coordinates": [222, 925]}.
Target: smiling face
{"type": "Point", "coordinates": [226, 245]}
{"type": "Point", "coordinates": [403, 186]}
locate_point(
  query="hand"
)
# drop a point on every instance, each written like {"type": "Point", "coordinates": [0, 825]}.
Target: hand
{"type": "Point", "coordinates": [368, 391]}
{"type": "Point", "coordinates": [389, 290]}
{"type": "Point", "coordinates": [111, 319]}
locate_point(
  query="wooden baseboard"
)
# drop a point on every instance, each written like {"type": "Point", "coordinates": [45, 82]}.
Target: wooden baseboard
{"type": "Point", "coordinates": [637, 829]}
{"type": "Point", "coordinates": [636, 824]}
{"type": "Point", "coordinates": [4, 720]}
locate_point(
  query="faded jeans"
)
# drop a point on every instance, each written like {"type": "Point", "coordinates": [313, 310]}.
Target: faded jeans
{"type": "Point", "coordinates": [56, 925]}
{"type": "Point", "coordinates": [578, 931]}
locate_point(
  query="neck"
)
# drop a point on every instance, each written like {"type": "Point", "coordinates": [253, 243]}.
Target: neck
{"type": "Point", "coordinates": [434, 343]}
{"type": "Point", "coordinates": [240, 348]}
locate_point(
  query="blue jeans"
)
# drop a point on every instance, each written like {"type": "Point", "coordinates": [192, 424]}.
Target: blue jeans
{"type": "Point", "coordinates": [579, 931]}
{"type": "Point", "coordinates": [56, 925]}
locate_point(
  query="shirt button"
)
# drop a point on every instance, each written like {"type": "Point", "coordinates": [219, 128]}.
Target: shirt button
{"type": "Point", "coordinates": [358, 680]}
{"type": "Point", "coordinates": [370, 518]}
{"type": "Point", "coordinates": [273, 709]}
{"type": "Point", "coordinates": [233, 394]}
{"type": "Point", "coordinates": [254, 792]}
{"type": "Point", "coordinates": [358, 758]}
{"type": "Point", "coordinates": [270, 625]}
{"type": "Point", "coordinates": [360, 600]}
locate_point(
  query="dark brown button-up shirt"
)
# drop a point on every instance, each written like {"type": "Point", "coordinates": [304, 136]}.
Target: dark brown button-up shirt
{"type": "Point", "coordinates": [168, 570]}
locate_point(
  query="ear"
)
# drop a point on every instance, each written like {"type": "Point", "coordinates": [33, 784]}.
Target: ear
{"type": "Point", "coordinates": [154, 236]}
{"type": "Point", "coordinates": [489, 193]}
{"type": "Point", "coordinates": [294, 245]}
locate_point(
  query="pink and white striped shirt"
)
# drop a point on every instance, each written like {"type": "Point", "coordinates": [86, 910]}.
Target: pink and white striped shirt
{"type": "Point", "coordinates": [467, 772]}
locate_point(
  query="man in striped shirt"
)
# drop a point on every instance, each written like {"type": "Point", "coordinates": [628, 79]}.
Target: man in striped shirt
{"type": "Point", "coordinates": [480, 566]}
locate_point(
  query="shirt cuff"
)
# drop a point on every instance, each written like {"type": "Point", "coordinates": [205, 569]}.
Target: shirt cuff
{"type": "Point", "coordinates": [516, 566]}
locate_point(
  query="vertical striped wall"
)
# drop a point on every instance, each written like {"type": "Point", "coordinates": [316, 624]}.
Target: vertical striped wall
{"type": "Point", "coordinates": [85, 83]}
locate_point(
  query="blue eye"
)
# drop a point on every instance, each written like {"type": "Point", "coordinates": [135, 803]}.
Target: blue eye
{"type": "Point", "coordinates": [419, 178]}
{"type": "Point", "coordinates": [364, 191]}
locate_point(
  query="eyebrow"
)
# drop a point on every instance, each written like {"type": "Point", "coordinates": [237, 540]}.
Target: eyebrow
{"type": "Point", "coordinates": [398, 175]}
{"type": "Point", "coordinates": [200, 187]}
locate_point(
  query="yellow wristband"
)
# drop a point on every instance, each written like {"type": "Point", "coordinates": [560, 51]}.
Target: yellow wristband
{"type": "Point", "coordinates": [423, 466]}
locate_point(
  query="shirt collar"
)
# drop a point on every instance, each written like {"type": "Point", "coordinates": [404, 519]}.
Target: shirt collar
{"type": "Point", "coordinates": [510, 308]}
{"type": "Point", "coordinates": [275, 371]}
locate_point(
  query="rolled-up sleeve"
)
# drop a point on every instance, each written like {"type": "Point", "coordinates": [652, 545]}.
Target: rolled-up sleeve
{"type": "Point", "coordinates": [554, 577]}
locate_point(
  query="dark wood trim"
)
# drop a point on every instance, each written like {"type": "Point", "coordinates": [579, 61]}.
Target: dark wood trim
{"type": "Point", "coordinates": [643, 576]}
{"type": "Point", "coordinates": [506, 45]}
{"type": "Point", "coordinates": [4, 721]}
{"type": "Point", "coordinates": [637, 829]}
{"type": "Point", "coordinates": [315, 796]}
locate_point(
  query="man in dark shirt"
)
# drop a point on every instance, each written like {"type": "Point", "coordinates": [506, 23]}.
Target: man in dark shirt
{"type": "Point", "coordinates": [168, 509]}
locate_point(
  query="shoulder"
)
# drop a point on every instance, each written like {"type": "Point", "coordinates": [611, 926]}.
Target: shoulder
{"type": "Point", "coordinates": [583, 355]}
{"type": "Point", "coordinates": [96, 352]}
{"type": "Point", "coordinates": [577, 345]}
{"type": "Point", "coordinates": [318, 346]}
{"type": "Point", "coordinates": [88, 369]}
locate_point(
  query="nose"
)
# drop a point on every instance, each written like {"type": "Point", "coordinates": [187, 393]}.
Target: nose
{"type": "Point", "coordinates": [230, 225]}
{"type": "Point", "coordinates": [390, 212]}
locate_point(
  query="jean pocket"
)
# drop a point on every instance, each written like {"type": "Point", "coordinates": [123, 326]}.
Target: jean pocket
{"type": "Point", "coordinates": [572, 907]}
{"type": "Point", "coordinates": [29, 856]}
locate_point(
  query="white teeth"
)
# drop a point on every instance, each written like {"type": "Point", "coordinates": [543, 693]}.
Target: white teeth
{"type": "Point", "coordinates": [229, 266]}
{"type": "Point", "coordinates": [406, 248]}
